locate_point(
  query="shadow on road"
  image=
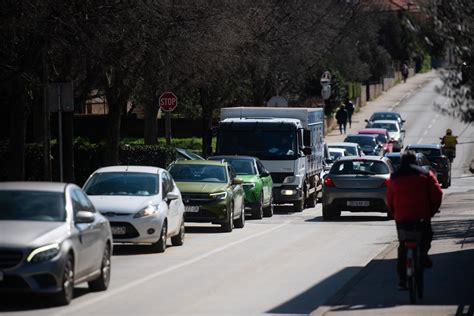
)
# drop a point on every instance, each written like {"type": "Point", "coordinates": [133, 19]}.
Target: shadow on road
{"type": "Point", "coordinates": [130, 250]}
{"type": "Point", "coordinates": [454, 229]}
{"type": "Point", "coordinates": [349, 218]}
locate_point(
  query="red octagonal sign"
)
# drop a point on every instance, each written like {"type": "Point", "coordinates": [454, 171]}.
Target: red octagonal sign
{"type": "Point", "coordinates": [168, 101]}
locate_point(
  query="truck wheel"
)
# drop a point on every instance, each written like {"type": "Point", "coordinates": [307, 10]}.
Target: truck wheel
{"type": "Point", "coordinates": [312, 200]}
{"type": "Point", "coordinates": [329, 213]}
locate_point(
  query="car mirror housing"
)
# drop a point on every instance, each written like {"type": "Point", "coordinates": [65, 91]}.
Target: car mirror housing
{"type": "Point", "coordinates": [172, 196]}
{"type": "Point", "coordinates": [84, 217]}
{"type": "Point", "coordinates": [265, 174]}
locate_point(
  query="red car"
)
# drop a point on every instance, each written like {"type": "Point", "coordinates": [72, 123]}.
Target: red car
{"type": "Point", "coordinates": [382, 137]}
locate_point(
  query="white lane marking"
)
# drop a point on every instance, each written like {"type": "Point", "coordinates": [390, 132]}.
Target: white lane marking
{"type": "Point", "coordinates": [430, 126]}
{"type": "Point", "coordinates": [426, 132]}
{"type": "Point", "coordinates": [149, 277]}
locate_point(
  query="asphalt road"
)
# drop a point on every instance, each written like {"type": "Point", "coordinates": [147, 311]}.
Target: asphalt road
{"type": "Point", "coordinates": [288, 264]}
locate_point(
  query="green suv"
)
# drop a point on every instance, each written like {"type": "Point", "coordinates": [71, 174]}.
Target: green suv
{"type": "Point", "coordinates": [257, 183]}
{"type": "Point", "coordinates": [211, 192]}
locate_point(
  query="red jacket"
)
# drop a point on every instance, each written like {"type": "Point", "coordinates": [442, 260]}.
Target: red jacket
{"type": "Point", "coordinates": [413, 196]}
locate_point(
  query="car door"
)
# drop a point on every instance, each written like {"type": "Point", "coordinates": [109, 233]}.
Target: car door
{"type": "Point", "coordinates": [267, 182]}
{"type": "Point", "coordinates": [168, 186]}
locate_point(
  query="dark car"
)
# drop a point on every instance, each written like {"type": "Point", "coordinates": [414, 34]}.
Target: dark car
{"type": "Point", "coordinates": [369, 143]}
{"type": "Point", "coordinates": [421, 161]}
{"type": "Point", "coordinates": [439, 161]}
{"type": "Point", "coordinates": [387, 115]}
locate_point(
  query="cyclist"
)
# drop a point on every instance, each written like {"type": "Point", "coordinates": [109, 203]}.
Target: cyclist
{"type": "Point", "coordinates": [449, 141]}
{"type": "Point", "coordinates": [413, 197]}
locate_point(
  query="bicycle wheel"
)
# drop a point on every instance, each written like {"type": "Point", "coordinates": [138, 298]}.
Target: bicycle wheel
{"type": "Point", "coordinates": [412, 288]}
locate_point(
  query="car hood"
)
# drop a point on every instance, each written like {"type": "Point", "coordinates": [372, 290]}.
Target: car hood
{"type": "Point", "coordinates": [121, 204]}
{"type": "Point", "coordinates": [31, 234]}
{"type": "Point", "coordinates": [201, 187]}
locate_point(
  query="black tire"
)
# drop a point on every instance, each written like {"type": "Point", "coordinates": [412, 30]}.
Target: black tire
{"type": "Point", "coordinates": [178, 240]}
{"type": "Point", "coordinates": [312, 199]}
{"type": "Point", "coordinates": [65, 296]}
{"type": "Point", "coordinates": [329, 213]}
{"type": "Point", "coordinates": [258, 213]}
{"type": "Point", "coordinates": [420, 282]}
{"type": "Point", "coordinates": [445, 184]}
{"type": "Point", "coordinates": [102, 282]}
{"type": "Point", "coordinates": [268, 211]}
{"type": "Point", "coordinates": [228, 226]}
{"type": "Point", "coordinates": [240, 222]}
{"type": "Point", "coordinates": [412, 289]}
{"type": "Point", "coordinates": [160, 245]}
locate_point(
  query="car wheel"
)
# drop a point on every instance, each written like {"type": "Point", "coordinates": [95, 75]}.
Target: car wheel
{"type": "Point", "coordinates": [329, 213]}
{"type": "Point", "coordinates": [228, 226]}
{"type": "Point", "coordinates": [445, 184]}
{"type": "Point", "coordinates": [258, 213]}
{"type": "Point", "coordinates": [268, 211]}
{"type": "Point", "coordinates": [160, 245]}
{"type": "Point", "coordinates": [102, 282]}
{"type": "Point", "coordinates": [240, 222]}
{"type": "Point", "coordinates": [64, 297]}
{"type": "Point", "coordinates": [312, 199]}
{"type": "Point", "coordinates": [178, 240]}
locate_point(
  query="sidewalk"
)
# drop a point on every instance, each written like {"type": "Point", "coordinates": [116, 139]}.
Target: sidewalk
{"type": "Point", "coordinates": [388, 101]}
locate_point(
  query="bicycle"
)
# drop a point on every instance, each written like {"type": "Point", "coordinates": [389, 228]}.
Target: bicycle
{"type": "Point", "coordinates": [414, 268]}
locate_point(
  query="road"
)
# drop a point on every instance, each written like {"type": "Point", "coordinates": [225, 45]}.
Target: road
{"type": "Point", "coordinates": [288, 264]}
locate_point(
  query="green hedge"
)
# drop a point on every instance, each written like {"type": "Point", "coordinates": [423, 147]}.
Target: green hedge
{"type": "Point", "coordinates": [354, 89]}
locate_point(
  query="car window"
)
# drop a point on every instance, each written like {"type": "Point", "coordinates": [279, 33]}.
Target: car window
{"type": "Point", "coordinates": [123, 183]}
{"type": "Point", "coordinates": [198, 173]}
{"type": "Point", "coordinates": [80, 202]}
{"type": "Point", "coordinates": [242, 166]}
{"type": "Point", "coordinates": [352, 150]}
{"type": "Point", "coordinates": [384, 116]}
{"type": "Point", "coordinates": [369, 167]}
{"type": "Point", "coordinates": [166, 183]}
{"type": "Point", "coordinates": [428, 152]}
{"type": "Point", "coordinates": [363, 141]}
{"type": "Point", "coordinates": [392, 127]}
{"type": "Point", "coordinates": [231, 171]}
{"type": "Point", "coordinates": [335, 154]}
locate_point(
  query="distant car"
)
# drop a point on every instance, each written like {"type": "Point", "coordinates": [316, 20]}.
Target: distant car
{"type": "Point", "coordinates": [382, 137]}
{"type": "Point", "coordinates": [143, 204]}
{"type": "Point", "coordinates": [337, 153]}
{"type": "Point", "coordinates": [257, 184]}
{"type": "Point", "coordinates": [356, 184]}
{"type": "Point", "coordinates": [352, 148]}
{"type": "Point", "coordinates": [395, 131]}
{"type": "Point", "coordinates": [368, 143]}
{"type": "Point", "coordinates": [211, 192]}
{"type": "Point", "coordinates": [391, 116]}
{"type": "Point", "coordinates": [184, 154]}
{"type": "Point", "coordinates": [439, 161]}
{"type": "Point", "coordinates": [421, 161]}
{"type": "Point", "coordinates": [52, 238]}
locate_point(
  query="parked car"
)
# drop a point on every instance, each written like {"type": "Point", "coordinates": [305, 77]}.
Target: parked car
{"type": "Point", "coordinates": [438, 160]}
{"type": "Point", "coordinates": [184, 154]}
{"type": "Point", "coordinates": [421, 161]}
{"type": "Point", "coordinates": [143, 204]}
{"type": "Point", "coordinates": [382, 137]}
{"type": "Point", "coordinates": [395, 131]}
{"type": "Point", "coordinates": [337, 153]}
{"type": "Point", "coordinates": [52, 238]}
{"type": "Point", "coordinates": [211, 192]}
{"type": "Point", "coordinates": [352, 148]}
{"type": "Point", "coordinates": [257, 183]}
{"type": "Point", "coordinates": [368, 143]}
{"type": "Point", "coordinates": [391, 116]}
{"type": "Point", "coordinates": [356, 184]}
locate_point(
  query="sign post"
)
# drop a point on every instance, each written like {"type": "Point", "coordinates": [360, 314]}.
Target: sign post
{"type": "Point", "coordinates": [168, 102]}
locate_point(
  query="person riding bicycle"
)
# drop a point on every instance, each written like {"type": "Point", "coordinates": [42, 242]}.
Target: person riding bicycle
{"type": "Point", "coordinates": [449, 141]}
{"type": "Point", "coordinates": [413, 197]}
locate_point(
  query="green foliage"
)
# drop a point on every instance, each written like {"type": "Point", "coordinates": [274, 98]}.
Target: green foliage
{"type": "Point", "coordinates": [192, 143]}
{"type": "Point", "coordinates": [354, 89]}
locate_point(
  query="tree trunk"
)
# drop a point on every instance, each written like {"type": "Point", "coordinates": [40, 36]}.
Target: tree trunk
{"type": "Point", "coordinates": [206, 122]}
{"type": "Point", "coordinates": [151, 123]}
{"type": "Point", "coordinates": [113, 130]}
{"type": "Point", "coordinates": [68, 147]}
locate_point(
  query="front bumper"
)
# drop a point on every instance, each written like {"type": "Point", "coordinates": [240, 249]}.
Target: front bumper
{"type": "Point", "coordinates": [287, 194]}
{"type": "Point", "coordinates": [338, 199]}
{"type": "Point", "coordinates": [215, 213]}
{"type": "Point", "coordinates": [144, 230]}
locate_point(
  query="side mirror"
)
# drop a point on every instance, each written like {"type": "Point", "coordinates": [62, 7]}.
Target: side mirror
{"type": "Point", "coordinates": [237, 181]}
{"type": "Point", "coordinates": [328, 160]}
{"type": "Point", "coordinates": [84, 217]}
{"type": "Point", "coordinates": [366, 120]}
{"type": "Point", "coordinates": [171, 196]}
{"type": "Point", "coordinates": [403, 121]}
{"type": "Point", "coordinates": [265, 173]}
{"type": "Point", "coordinates": [307, 151]}
{"type": "Point", "coordinates": [306, 138]}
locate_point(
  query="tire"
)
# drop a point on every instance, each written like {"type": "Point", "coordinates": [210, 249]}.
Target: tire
{"type": "Point", "coordinates": [178, 240]}
{"type": "Point", "coordinates": [160, 245]}
{"type": "Point", "coordinates": [240, 222]}
{"type": "Point", "coordinates": [298, 206]}
{"type": "Point", "coordinates": [445, 184]}
{"type": "Point", "coordinates": [329, 213]}
{"type": "Point", "coordinates": [412, 289]}
{"type": "Point", "coordinates": [312, 200]}
{"type": "Point", "coordinates": [268, 211]}
{"type": "Point", "coordinates": [65, 296]}
{"type": "Point", "coordinates": [228, 226]}
{"type": "Point", "coordinates": [258, 213]}
{"type": "Point", "coordinates": [420, 283]}
{"type": "Point", "coordinates": [102, 282]}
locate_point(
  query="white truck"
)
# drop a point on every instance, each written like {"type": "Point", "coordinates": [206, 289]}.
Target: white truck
{"type": "Point", "coordinates": [288, 141]}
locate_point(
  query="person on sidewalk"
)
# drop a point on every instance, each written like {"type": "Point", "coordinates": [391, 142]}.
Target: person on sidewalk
{"type": "Point", "coordinates": [413, 197]}
{"type": "Point", "coordinates": [350, 111]}
{"type": "Point", "coordinates": [405, 72]}
{"type": "Point", "coordinates": [341, 117]}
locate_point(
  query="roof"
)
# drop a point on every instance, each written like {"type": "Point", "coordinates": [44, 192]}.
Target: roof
{"type": "Point", "coordinates": [367, 157]}
{"type": "Point", "coordinates": [144, 169]}
{"type": "Point", "coordinates": [386, 112]}
{"type": "Point", "coordinates": [342, 144]}
{"type": "Point", "coordinates": [232, 157]}
{"type": "Point", "coordinates": [362, 135]}
{"type": "Point", "coordinates": [340, 150]}
{"type": "Point", "coordinates": [372, 131]}
{"type": "Point", "coordinates": [34, 186]}
{"type": "Point", "coordinates": [433, 146]}
{"type": "Point", "coordinates": [199, 162]}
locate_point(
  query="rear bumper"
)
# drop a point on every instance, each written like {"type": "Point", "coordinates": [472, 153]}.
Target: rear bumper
{"type": "Point", "coordinates": [339, 198]}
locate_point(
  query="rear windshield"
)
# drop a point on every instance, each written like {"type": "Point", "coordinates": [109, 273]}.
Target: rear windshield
{"type": "Point", "coordinates": [362, 141]}
{"type": "Point", "coordinates": [428, 152]}
{"type": "Point", "coordinates": [241, 166]}
{"type": "Point", "coordinates": [198, 173]}
{"type": "Point", "coordinates": [352, 150]}
{"type": "Point", "coordinates": [381, 138]}
{"type": "Point", "coordinates": [391, 127]}
{"type": "Point", "coordinates": [335, 154]}
{"type": "Point", "coordinates": [359, 167]}
{"type": "Point", "coordinates": [32, 206]}
{"type": "Point", "coordinates": [384, 116]}
{"type": "Point", "coordinates": [123, 183]}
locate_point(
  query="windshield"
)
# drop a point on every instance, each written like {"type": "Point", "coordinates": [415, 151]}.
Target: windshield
{"type": "Point", "coordinates": [32, 206]}
{"type": "Point", "coordinates": [362, 141]}
{"type": "Point", "coordinates": [198, 173]}
{"type": "Point", "coordinates": [271, 144]}
{"type": "Point", "coordinates": [384, 116]}
{"type": "Point", "coordinates": [241, 166]}
{"type": "Point", "coordinates": [381, 138]}
{"type": "Point", "coordinates": [352, 150]}
{"type": "Point", "coordinates": [429, 152]}
{"type": "Point", "coordinates": [391, 127]}
{"type": "Point", "coordinates": [359, 167]}
{"type": "Point", "coordinates": [123, 183]}
{"type": "Point", "coordinates": [335, 154]}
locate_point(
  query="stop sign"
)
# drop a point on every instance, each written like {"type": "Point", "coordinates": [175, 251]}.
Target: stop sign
{"type": "Point", "coordinates": [168, 101]}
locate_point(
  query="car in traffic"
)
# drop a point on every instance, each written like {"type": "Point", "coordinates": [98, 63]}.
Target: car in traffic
{"type": "Point", "coordinates": [52, 238]}
{"type": "Point", "coordinates": [356, 184]}
{"type": "Point", "coordinates": [386, 115]}
{"type": "Point", "coordinates": [257, 183]}
{"type": "Point", "coordinates": [382, 137]}
{"type": "Point", "coordinates": [352, 148]}
{"type": "Point", "coordinates": [368, 143]}
{"type": "Point", "coordinates": [211, 192]}
{"type": "Point", "coordinates": [337, 153]}
{"type": "Point", "coordinates": [421, 161]}
{"type": "Point", "coordinates": [185, 154]}
{"type": "Point", "coordinates": [437, 158]}
{"type": "Point", "coordinates": [142, 203]}
{"type": "Point", "coordinates": [395, 131]}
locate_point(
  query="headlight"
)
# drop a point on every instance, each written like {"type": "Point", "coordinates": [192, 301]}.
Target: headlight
{"type": "Point", "coordinates": [219, 195]}
{"type": "Point", "coordinates": [43, 253]}
{"type": "Point", "coordinates": [289, 179]}
{"type": "Point", "coordinates": [147, 211]}
{"type": "Point", "coordinates": [249, 185]}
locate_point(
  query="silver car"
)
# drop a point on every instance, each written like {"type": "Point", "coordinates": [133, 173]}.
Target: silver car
{"type": "Point", "coordinates": [352, 148]}
{"type": "Point", "coordinates": [51, 238]}
{"type": "Point", "coordinates": [143, 204]}
{"type": "Point", "coordinates": [356, 184]}
{"type": "Point", "coordinates": [395, 131]}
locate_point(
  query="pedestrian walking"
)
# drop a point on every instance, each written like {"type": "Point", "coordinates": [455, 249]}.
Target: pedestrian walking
{"type": "Point", "coordinates": [341, 117]}
{"type": "Point", "coordinates": [405, 72]}
{"type": "Point", "coordinates": [350, 111]}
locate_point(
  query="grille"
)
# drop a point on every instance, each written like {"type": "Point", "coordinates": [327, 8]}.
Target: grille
{"type": "Point", "coordinates": [10, 258]}
{"type": "Point", "coordinates": [13, 282]}
{"type": "Point", "coordinates": [196, 198]}
{"type": "Point", "coordinates": [130, 231]}
{"type": "Point", "coordinates": [278, 177]}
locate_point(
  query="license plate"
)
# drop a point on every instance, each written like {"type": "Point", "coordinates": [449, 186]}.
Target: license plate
{"type": "Point", "coordinates": [118, 230]}
{"type": "Point", "coordinates": [191, 209]}
{"type": "Point", "coordinates": [1, 276]}
{"type": "Point", "coordinates": [358, 203]}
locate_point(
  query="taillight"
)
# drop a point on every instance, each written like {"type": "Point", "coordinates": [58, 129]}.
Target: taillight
{"type": "Point", "coordinates": [384, 183]}
{"type": "Point", "coordinates": [328, 182]}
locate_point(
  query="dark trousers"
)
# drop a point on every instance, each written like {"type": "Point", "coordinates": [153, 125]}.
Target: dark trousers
{"type": "Point", "coordinates": [342, 127]}
{"type": "Point", "coordinates": [349, 118]}
{"type": "Point", "coordinates": [425, 243]}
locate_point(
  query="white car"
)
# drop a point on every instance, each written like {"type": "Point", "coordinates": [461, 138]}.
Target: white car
{"type": "Point", "coordinates": [143, 204]}
{"type": "Point", "coordinates": [395, 132]}
{"type": "Point", "coordinates": [352, 148]}
{"type": "Point", "coordinates": [336, 153]}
